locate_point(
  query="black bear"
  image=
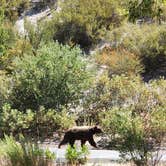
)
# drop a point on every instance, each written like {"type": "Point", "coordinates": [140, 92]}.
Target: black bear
{"type": "Point", "coordinates": [83, 133]}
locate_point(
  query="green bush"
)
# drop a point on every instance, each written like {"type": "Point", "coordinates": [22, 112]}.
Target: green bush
{"type": "Point", "coordinates": [5, 88]}
{"type": "Point", "coordinates": [37, 34]}
{"type": "Point", "coordinates": [85, 22]}
{"type": "Point", "coordinates": [41, 123]}
{"type": "Point", "coordinates": [75, 156]}
{"type": "Point", "coordinates": [137, 121]}
{"type": "Point", "coordinates": [14, 121]}
{"type": "Point", "coordinates": [7, 36]}
{"type": "Point", "coordinates": [107, 93]}
{"type": "Point", "coordinates": [13, 9]}
{"type": "Point", "coordinates": [146, 41]}
{"type": "Point", "coordinates": [7, 40]}
{"type": "Point", "coordinates": [147, 9]}
{"type": "Point", "coordinates": [121, 91]}
{"type": "Point", "coordinates": [46, 122]}
{"type": "Point", "coordinates": [23, 153]}
{"type": "Point", "coordinates": [55, 77]}
{"type": "Point", "coordinates": [138, 135]}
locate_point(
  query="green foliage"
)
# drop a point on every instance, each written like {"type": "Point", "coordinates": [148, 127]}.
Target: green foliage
{"type": "Point", "coordinates": [138, 134]}
{"type": "Point", "coordinates": [49, 155]}
{"type": "Point", "coordinates": [121, 91]}
{"type": "Point", "coordinates": [36, 34]}
{"type": "Point", "coordinates": [12, 9]}
{"type": "Point", "coordinates": [7, 39]}
{"type": "Point", "coordinates": [5, 88]}
{"type": "Point", "coordinates": [6, 36]}
{"type": "Point", "coordinates": [150, 47]}
{"type": "Point", "coordinates": [25, 153]}
{"type": "Point", "coordinates": [75, 156]}
{"type": "Point", "coordinates": [133, 38]}
{"type": "Point", "coordinates": [47, 121]}
{"type": "Point", "coordinates": [40, 123]}
{"type": "Point", "coordinates": [85, 22]}
{"type": "Point", "coordinates": [14, 121]}
{"type": "Point", "coordinates": [55, 77]}
{"type": "Point", "coordinates": [137, 121]}
{"type": "Point", "coordinates": [107, 93]}
{"type": "Point", "coordinates": [145, 9]}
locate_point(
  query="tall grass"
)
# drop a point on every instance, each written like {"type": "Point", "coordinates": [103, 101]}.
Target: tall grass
{"type": "Point", "coordinates": [23, 153]}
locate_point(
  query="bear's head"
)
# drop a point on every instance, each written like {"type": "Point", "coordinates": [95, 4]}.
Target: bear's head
{"type": "Point", "coordinates": [96, 130]}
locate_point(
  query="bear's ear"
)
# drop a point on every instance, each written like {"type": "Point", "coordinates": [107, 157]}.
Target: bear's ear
{"type": "Point", "coordinates": [95, 127]}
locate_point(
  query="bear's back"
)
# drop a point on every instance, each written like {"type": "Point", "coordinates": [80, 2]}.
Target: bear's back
{"type": "Point", "coordinates": [79, 132]}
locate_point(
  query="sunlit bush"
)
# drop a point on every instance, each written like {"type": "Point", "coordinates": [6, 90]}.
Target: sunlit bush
{"type": "Point", "coordinates": [75, 156]}
{"type": "Point", "coordinates": [145, 10]}
{"type": "Point", "coordinates": [13, 9]}
{"type": "Point", "coordinates": [41, 123]}
{"type": "Point", "coordinates": [145, 41]}
{"type": "Point", "coordinates": [138, 135]}
{"type": "Point", "coordinates": [23, 153]}
{"type": "Point", "coordinates": [55, 77]}
{"type": "Point", "coordinates": [5, 87]}
{"type": "Point", "coordinates": [122, 91]}
{"type": "Point", "coordinates": [85, 22]}
{"type": "Point", "coordinates": [14, 121]}
{"type": "Point", "coordinates": [7, 36]}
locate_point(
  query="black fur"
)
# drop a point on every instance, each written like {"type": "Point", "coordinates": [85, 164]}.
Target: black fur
{"type": "Point", "coordinates": [84, 133]}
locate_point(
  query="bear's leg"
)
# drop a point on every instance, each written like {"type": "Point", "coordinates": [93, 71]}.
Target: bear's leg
{"type": "Point", "coordinates": [83, 142]}
{"type": "Point", "coordinates": [92, 142]}
{"type": "Point", "coordinates": [63, 142]}
{"type": "Point", "coordinates": [71, 142]}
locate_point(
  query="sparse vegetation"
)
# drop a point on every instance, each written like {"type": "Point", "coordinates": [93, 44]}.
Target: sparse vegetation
{"type": "Point", "coordinates": [92, 61]}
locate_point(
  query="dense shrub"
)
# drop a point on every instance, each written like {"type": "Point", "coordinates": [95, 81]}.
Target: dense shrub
{"type": "Point", "coordinates": [6, 36]}
{"type": "Point", "coordinates": [23, 153]}
{"type": "Point", "coordinates": [7, 40]}
{"type": "Point", "coordinates": [5, 88]}
{"type": "Point", "coordinates": [46, 122]}
{"type": "Point", "coordinates": [37, 124]}
{"type": "Point", "coordinates": [14, 121]}
{"type": "Point", "coordinates": [107, 93]}
{"type": "Point", "coordinates": [139, 135]}
{"type": "Point", "coordinates": [13, 9]}
{"type": "Point", "coordinates": [137, 121]}
{"type": "Point", "coordinates": [133, 38]}
{"type": "Point", "coordinates": [147, 9]}
{"type": "Point", "coordinates": [121, 91]}
{"type": "Point", "coordinates": [55, 77]}
{"type": "Point", "coordinates": [148, 42]}
{"type": "Point", "coordinates": [37, 33]}
{"type": "Point", "coordinates": [85, 22]}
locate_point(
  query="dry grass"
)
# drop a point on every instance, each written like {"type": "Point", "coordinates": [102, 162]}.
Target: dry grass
{"type": "Point", "coordinates": [120, 61]}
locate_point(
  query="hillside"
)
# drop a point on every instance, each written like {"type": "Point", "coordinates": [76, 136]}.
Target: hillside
{"type": "Point", "coordinates": [94, 63]}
